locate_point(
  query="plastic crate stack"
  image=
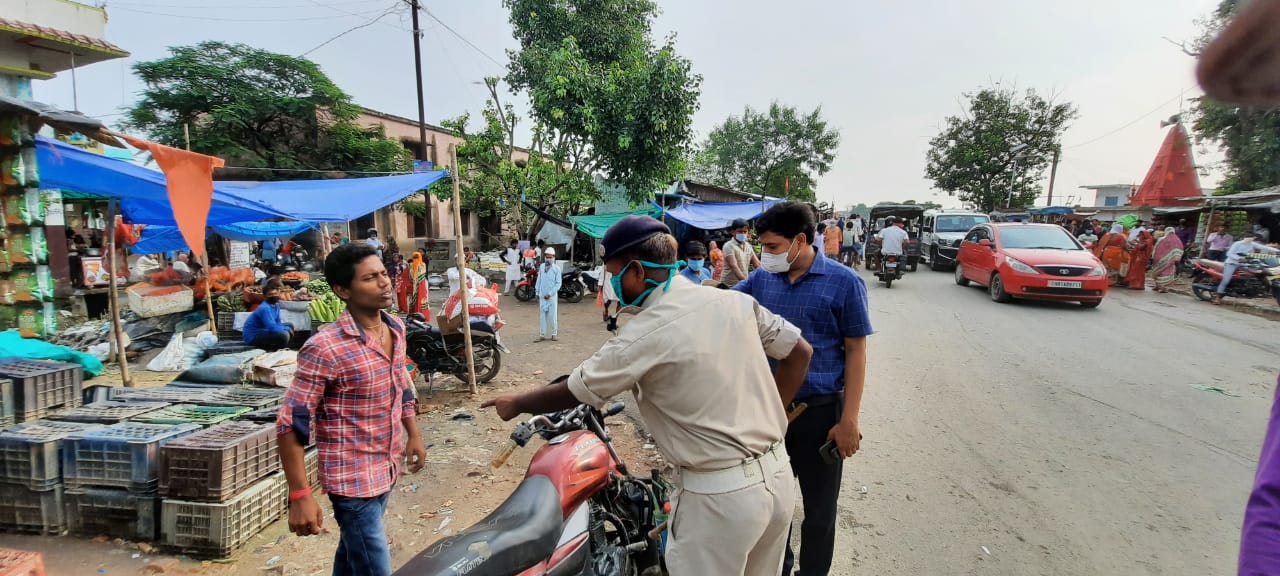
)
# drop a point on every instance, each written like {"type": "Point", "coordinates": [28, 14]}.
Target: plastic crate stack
{"type": "Point", "coordinates": [221, 486]}
{"type": "Point", "coordinates": [112, 476]}
{"type": "Point", "coordinates": [31, 479]}
{"type": "Point", "coordinates": [39, 388]}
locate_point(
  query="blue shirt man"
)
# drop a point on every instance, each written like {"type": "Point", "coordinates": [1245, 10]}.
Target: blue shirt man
{"type": "Point", "coordinates": [828, 302]}
{"type": "Point", "coordinates": [547, 289]}
{"type": "Point", "coordinates": [263, 329]}
{"type": "Point", "coordinates": [695, 260]}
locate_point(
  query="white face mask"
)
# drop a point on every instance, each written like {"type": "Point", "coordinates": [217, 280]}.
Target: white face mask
{"type": "Point", "coordinates": [777, 263]}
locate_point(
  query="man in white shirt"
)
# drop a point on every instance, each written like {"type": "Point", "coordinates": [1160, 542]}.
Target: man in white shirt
{"type": "Point", "coordinates": [892, 238]}
{"type": "Point", "coordinates": [180, 263]}
{"type": "Point", "coordinates": [1235, 256]}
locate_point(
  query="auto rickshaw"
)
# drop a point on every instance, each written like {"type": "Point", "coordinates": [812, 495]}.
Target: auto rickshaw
{"type": "Point", "coordinates": [911, 216]}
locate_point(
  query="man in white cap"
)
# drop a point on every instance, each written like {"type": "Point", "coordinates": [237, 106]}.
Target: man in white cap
{"type": "Point", "coordinates": [548, 303]}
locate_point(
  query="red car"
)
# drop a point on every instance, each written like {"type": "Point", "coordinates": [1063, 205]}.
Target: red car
{"type": "Point", "coordinates": [1036, 261]}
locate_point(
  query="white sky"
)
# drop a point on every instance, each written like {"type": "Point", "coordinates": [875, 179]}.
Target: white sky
{"type": "Point", "coordinates": [885, 72]}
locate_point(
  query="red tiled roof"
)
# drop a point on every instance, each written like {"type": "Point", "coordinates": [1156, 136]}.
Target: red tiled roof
{"type": "Point", "coordinates": [58, 35]}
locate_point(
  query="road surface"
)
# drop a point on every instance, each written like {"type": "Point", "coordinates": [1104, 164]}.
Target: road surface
{"type": "Point", "coordinates": [1034, 438]}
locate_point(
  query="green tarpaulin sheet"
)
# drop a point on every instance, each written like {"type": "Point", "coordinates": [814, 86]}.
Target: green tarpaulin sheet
{"type": "Point", "coordinates": [595, 226]}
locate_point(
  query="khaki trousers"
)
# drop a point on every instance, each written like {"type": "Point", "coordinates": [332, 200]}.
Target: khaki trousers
{"type": "Point", "coordinates": [740, 532]}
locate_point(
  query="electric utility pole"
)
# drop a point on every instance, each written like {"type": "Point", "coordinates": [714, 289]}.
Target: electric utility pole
{"type": "Point", "coordinates": [414, 7]}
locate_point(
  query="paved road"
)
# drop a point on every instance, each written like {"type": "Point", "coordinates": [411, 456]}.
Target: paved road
{"type": "Point", "coordinates": [1064, 441]}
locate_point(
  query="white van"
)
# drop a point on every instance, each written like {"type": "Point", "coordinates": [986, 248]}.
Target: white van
{"type": "Point", "coordinates": [941, 232]}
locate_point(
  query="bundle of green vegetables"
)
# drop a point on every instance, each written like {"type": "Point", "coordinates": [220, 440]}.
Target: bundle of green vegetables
{"type": "Point", "coordinates": [326, 308]}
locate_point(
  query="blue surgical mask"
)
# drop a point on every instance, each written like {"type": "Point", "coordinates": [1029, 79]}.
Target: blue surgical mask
{"type": "Point", "coordinates": [616, 282]}
{"type": "Point", "coordinates": [740, 237]}
{"type": "Point", "coordinates": [695, 265]}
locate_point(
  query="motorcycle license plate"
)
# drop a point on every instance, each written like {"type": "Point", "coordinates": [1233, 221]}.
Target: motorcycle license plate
{"type": "Point", "coordinates": [890, 264]}
{"type": "Point", "coordinates": [1065, 284]}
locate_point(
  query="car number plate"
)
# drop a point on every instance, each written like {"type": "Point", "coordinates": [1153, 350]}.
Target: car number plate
{"type": "Point", "coordinates": [1064, 284]}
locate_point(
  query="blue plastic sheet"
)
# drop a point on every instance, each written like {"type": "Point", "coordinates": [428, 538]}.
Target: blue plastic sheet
{"type": "Point", "coordinates": [157, 239]}
{"type": "Point", "coordinates": [339, 200]}
{"type": "Point", "coordinates": [717, 215]}
{"type": "Point", "coordinates": [13, 345]}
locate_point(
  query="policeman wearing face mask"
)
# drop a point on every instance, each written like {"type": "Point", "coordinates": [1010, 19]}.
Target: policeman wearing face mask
{"type": "Point", "coordinates": [720, 422]}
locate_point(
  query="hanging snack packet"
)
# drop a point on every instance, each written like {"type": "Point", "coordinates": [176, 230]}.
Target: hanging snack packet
{"type": "Point", "coordinates": [39, 253]}
{"type": "Point", "coordinates": [23, 285]}
{"type": "Point", "coordinates": [30, 171]}
{"type": "Point", "coordinates": [30, 321]}
{"type": "Point", "coordinates": [33, 207]}
{"type": "Point", "coordinates": [13, 204]}
{"type": "Point", "coordinates": [6, 292]}
{"type": "Point", "coordinates": [8, 317]}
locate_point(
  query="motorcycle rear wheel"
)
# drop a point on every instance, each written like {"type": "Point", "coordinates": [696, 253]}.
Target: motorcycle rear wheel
{"type": "Point", "coordinates": [575, 294]}
{"type": "Point", "coordinates": [524, 293]}
{"type": "Point", "coordinates": [488, 364]}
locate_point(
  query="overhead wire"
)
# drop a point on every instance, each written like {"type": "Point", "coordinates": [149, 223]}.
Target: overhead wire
{"type": "Point", "coordinates": [1131, 122]}
{"type": "Point", "coordinates": [112, 3]}
{"type": "Point", "coordinates": [384, 14]}
{"type": "Point", "coordinates": [462, 38]}
{"type": "Point", "coordinates": [243, 20]}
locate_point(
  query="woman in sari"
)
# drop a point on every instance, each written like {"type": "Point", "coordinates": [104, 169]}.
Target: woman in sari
{"type": "Point", "coordinates": [1168, 253]}
{"type": "Point", "coordinates": [412, 288]}
{"type": "Point", "coordinates": [1139, 258]}
{"type": "Point", "coordinates": [1111, 249]}
{"type": "Point", "coordinates": [716, 256]}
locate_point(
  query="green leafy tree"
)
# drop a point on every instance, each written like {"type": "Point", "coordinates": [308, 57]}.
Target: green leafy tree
{"type": "Point", "coordinates": [776, 153]}
{"type": "Point", "coordinates": [258, 109]}
{"type": "Point", "coordinates": [497, 176]}
{"type": "Point", "coordinates": [995, 153]}
{"type": "Point", "coordinates": [599, 85]}
{"type": "Point", "coordinates": [1248, 137]}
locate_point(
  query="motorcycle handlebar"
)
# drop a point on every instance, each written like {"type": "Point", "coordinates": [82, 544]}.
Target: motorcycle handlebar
{"type": "Point", "coordinates": [543, 423]}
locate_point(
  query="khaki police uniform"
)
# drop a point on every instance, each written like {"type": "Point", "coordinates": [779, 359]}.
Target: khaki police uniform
{"type": "Point", "coordinates": [717, 418]}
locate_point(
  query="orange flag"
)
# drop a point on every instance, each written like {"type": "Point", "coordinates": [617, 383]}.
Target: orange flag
{"type": "Point", "coordinates": [189, 179]}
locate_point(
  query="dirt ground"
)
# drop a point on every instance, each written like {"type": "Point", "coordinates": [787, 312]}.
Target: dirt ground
{"type": "Point", "coordinates": [456, 488]}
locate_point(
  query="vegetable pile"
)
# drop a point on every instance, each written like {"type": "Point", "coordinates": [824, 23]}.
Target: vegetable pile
{"type": "Point", "coordinates": [326, 308]}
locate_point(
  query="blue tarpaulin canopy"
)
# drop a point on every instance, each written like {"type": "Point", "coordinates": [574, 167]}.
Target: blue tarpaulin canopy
{"type": "Point", "coordinates": [717, 215]}
{"type": "Point", "coordinates": [142, 193]}
{"type": "Point", "coordinates": [145, 200]}
{"type": "Point", "coordinates": [156, 239]}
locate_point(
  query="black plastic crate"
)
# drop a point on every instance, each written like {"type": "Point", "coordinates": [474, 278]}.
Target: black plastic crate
{"type": "Point", "coordinates": [108, 411]}
{"type": "Point", "coordinates": [6, 402]}
{"type": "Point", "coordinates": [124, 455]}
{"type": "Point", "coordinates": [219, 462]}
{"type": "Point", "coordinates": [40, 387]}
{"type": "Point", "coordinates": [31, 452]}
{"type": "Point", "coordinates": [31, 511]}
{"type": "Point", "coordinates": [264, 415]}
{"type": "Point", "coordinates": [116, 513]}
{"type": "Point", "coordinates": [245, 396]}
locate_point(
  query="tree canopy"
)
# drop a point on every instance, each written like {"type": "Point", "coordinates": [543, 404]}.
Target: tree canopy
{"type": "Point", "coordinates": [777, 153]}
{"type": "Point", "coordinates": [258, 109]}
{"type": "Point", "coordinates": [1248, 137]}
{"type": "Point", "coordinates": [497, 176]}
{"type": "Point", "coordinates": [600, 87]}
{"type": "Point", "coordinates": [995, 153]}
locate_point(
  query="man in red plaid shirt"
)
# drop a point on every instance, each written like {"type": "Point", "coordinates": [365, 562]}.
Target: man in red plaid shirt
{"type": "Point", "coordinates": [353, 393]}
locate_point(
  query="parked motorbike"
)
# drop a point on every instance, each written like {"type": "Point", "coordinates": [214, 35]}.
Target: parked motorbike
{"type": "Point", "coordinates": [435, 352]}
{"type": "Point", "coordinates": [890, 269]}
{"type": "Point", "coordinates": [571, 290]}
{"type": "Point", "coordinates": [577, 511]}
{"type": "Point", "coordinates": [1253, 279]}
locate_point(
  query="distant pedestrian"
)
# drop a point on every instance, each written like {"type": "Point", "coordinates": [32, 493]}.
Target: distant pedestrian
{"type": "Point", "coordinates": [547, 291]}
{"type": "Point", "coordinates": [1139, 257]}
{"type": "Point", "coordinates": [849, 244]}
{"type": "Point", "coordinates": [511, 256]}
{"type": "Point", "coordinates": [371, 238]}
{"type": "Point", "coordinates": [264, 329]}
{"type": "Point", "coordinates": [1186, 233]}
{"type": "Point", "coordinates": [1168, 253]}
{"type": "Point", "coordinates": [1218, 243]}
{"type": "Point", "coordinates": [739, 256]}
{"type": "Point", "coordinates": [695, 263]}
{"type": "Point", "coordinates": [1113, 252]}
{"type": "Point", "coordinates": [833, 238]}
{"type": "Point", "coordinates": [716, 258]}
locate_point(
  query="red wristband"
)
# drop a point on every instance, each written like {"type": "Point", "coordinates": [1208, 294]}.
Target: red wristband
{"type": "Point", "coordinates": [299, 494]}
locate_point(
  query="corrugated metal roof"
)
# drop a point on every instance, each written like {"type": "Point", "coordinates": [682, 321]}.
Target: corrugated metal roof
{"type": "Point", "coordinates": [54, 34]}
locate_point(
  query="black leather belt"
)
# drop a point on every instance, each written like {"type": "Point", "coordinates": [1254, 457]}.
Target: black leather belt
{"type": "Point", "coordinates": [818, 400]}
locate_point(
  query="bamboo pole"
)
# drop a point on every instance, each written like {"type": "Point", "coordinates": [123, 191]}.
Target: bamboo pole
{"type": "Point", "coordinates": [462, 273]}
{"type": "Point", "coordinates": [113, 300]}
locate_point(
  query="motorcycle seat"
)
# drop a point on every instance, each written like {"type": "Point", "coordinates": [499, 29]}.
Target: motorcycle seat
{"type": "Point", "coordinates": [523, 531]}
{"type": "Point", "coordinates": [1214, 264]}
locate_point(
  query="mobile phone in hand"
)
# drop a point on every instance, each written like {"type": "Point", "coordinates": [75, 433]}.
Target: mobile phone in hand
{"type": "Point", "coordinates": [830, 452]}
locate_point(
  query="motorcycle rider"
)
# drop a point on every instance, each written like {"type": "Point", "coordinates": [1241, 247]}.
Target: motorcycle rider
{"type": "Point", "coordinates": [1236, 255]}
{"type": "Point", "coordinates": [721, 421]}
{"type": "Point", "coordinates": [892, 238]}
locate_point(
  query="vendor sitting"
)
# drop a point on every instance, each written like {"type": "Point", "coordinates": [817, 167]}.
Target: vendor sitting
{"type": "Point", "coordinates": [264, 329]}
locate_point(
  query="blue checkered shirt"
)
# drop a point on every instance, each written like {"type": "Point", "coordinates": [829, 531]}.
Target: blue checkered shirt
{"type": "Point", "coordinates": [828, 304]}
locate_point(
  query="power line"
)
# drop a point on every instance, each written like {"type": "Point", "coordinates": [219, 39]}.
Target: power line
{"type": "Point", "coordinates": [243, 20]}
{"type": "Point", "coordinates": [384, 14]}
{"type": "Point", "coordinates": [1131, 122]}
{"type": "Point", "coordinates": [126, 5]}
{"type": "Point", "coordinates": [336, 9]}
{"type": "Point", "coordinates": [463, 39]}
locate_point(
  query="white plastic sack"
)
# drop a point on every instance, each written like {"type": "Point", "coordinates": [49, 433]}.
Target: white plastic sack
{"type": "Point", "coordinates": [171, 358]}
{"type": "Point", "coordinates": [101, 350]}
{"type": "Point", "coordinates": [206, 339]}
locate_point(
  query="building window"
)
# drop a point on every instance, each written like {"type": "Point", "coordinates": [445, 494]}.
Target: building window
{"type": "Point", "coordinates": [417, 226]}
{"type": "Point", "coordinates": [1111, 201]}
{"type": "Point", "coordinates": [465, 216]}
